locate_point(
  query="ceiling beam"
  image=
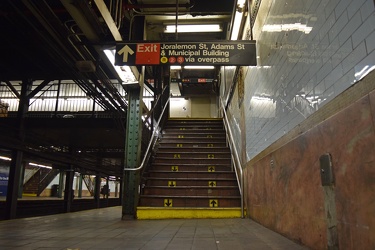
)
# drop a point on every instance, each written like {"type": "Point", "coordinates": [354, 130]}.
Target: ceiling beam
{"type": "Point", "coordinates": [13, 89]}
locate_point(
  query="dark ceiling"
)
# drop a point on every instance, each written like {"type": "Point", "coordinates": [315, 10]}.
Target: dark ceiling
{"type": "Point", "coordinates": [43, 40]}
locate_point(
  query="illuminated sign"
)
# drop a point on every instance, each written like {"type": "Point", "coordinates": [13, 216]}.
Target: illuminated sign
{"type": "Point", "coordinates": [230, 53]}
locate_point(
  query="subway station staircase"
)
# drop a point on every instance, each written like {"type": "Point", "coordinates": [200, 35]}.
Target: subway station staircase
{"type": "Point", "coordinates": [191, 174]}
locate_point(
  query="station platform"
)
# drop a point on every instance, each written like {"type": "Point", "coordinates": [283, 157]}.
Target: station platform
{"type": "Point", "coordinates": [104, 229]}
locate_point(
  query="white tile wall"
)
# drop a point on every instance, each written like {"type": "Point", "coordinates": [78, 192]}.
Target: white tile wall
{"type": "Point", "coordinates": [304, 70]}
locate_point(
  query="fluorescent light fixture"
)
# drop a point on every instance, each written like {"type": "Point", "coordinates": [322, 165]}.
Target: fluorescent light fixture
{"type": "Point", "coordinates": [287, 27]}
{"type": "Point", "coordinates": [124, 72]}
{"type": "Point", "coordinates": [198, 67]}
{"type": "Point", "coordinates": [39, 165]}
{"type": "Point", "coordinates": [236, 26]}
{"type": "Point", "coordinates": [175, 67]}
{"type": "Point", "coordinates": [5, 158]}
{"type": "Point", "coordinates": [183, 28]}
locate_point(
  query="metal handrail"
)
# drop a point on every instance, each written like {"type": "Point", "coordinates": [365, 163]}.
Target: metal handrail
{"type": "Point", "coordinates": [236, 161]}
{"type": "Point", "coordinates": [151, 141]}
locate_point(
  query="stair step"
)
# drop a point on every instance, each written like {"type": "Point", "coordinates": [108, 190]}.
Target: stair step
{"type": "Point", "coordinates": [172, 123]}
{"type": "Point", "coordinates": [192, 144]}
{"type": "Point", "coordinates": [190, 201]}
{"type": "Point", "coordinates": [190, 167]}
{"type": "Point", "coordinates": [195, 120]}
{"type": "Point", "coordinates": [177, 161]}
{"type": "Point", "coordinates": [203, 150]}
{"type": "Point", "coordinates": [194, 135]}
{"type": "Point", "coordinates": [147, 213]}
{"type": "Point", "coordinates": [195, 155]}
{"type": "Point", "coordinates": [194, 130]}
{"type": "Point", "coordinates": [193, 140]}
{"type": "Point", "coordinates": [157, 181]}
{"type": "Point", "coordinates": [189, 174]}
{"type": "Point", "coordinates": [192, 191]}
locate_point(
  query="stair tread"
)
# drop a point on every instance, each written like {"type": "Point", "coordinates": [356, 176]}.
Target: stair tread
{"type": "Point", "coordinates": [197, 153]}
{"type": "Point", "coordinates": [182, 148]}
{"type": "Point", "coordinates": [205, 158]}
{"type": "Point", "coordinates": [188, 178]}
{"type": "Point", "coordinates": [197, 187]}
{"type": "Point", "coordinates": [195, 164]}
{"type": "Point", "coordinates": [191, 196]}
{"type": "Point", "coordinates": [186, 172]}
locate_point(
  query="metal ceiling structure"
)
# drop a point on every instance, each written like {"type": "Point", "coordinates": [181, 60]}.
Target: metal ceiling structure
{"type": "Point", "coordinates": [56, 40]}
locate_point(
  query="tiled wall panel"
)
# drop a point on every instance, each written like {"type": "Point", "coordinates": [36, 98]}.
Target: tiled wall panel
{"type": "Point", "coordinates": [300, 70]}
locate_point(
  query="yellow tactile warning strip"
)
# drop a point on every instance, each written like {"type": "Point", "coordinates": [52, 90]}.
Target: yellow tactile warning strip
{"type": "Point", "coordinates": [156, 213]}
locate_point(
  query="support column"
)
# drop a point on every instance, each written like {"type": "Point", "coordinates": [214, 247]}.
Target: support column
{"type": "Point", "coordinates": [108, 189]}
{"type": "Point", "coordinates": [61, 184]}
{"type": "Point", "coordinates": [98, 181]}
{"type": "Point", "coordinates": [132, 153]}
{"type": "Point", "coordinates": [80, 179]}
{"type": "Point", "coordinates": [17, 156]}
{"type": "Point", "coordinates": [22, 176]}
{"type": "Point", "coordinates": [116, 187]}
{"type": "Point", "coordinates": [68, 194]}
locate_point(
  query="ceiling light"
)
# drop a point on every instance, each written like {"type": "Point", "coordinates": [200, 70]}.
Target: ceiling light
{"type": "Point", "coordinates": [193, 28]}
{"type": "Point", "coordinates": [5, 158]}
{"type": "Point", "coordinates": [198, 67]}
{"type": "Point", "coordinates": [39, 165]}
{"type": "Point", "coordinates": [236, 26]}
{"type": "Point", "coordinates": [175, 67]}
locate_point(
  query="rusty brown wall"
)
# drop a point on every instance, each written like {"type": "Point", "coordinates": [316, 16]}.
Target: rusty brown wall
{"type": "Point", "coordinates": [284, 190]}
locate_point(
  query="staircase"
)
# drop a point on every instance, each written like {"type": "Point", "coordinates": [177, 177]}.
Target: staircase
{"type": "Point", "coordinates": [190, 175]}
{"type": "Point", "coordinates": [39, 181]}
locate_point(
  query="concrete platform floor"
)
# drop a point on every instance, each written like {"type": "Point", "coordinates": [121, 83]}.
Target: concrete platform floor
{"type": "Point", "coordinates": [104, 229]}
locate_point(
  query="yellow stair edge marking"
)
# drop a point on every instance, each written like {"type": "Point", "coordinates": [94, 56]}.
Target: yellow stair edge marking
{"type": "Point", "coordinates": [29, 195]}
{"type": "Point", "coordinates": [156, 213]}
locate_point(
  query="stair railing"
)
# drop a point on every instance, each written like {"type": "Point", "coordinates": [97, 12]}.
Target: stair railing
{"type": "Point", "coordinates": [151, 142]}
{"type": "Point", "coordinates": [236, 160]}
